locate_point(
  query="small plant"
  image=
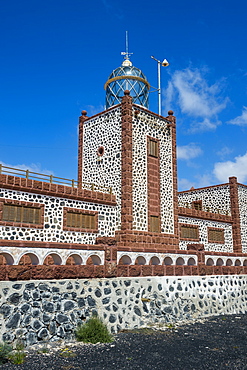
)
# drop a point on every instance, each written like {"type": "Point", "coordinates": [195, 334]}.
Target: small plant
{"type": "Point", "coordinates": [5, 350]}
{"type": "Point", "coordinates": [66, 352]}
{"type": "Point", "coordinates": [93, 331]}
{"type": "Point", "coordinates": [170, 326]}
{"type": "Point", "coordinates": [18, 355]}
{"type": "Point", "coordinates": [43, 350]}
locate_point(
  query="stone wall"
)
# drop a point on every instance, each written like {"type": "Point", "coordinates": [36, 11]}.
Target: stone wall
{"type": "Point", "coordinates": [37, 311]}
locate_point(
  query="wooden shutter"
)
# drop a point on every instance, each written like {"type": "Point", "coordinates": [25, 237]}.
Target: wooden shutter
{"type": "Point", "coordinates": [81, 220]}
{"type": "Point", "coordinates": [189, 232]}
{"type": "Point", "coordinates": [153, 148]}
{"type": "Point", "coordinates": [154, 223]}
{"type": "Point", "coordinates": [216, 236]}
{"type": "Point", "coordinates": [16, 213]}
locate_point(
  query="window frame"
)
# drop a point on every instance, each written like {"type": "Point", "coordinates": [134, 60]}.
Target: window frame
{"type": "Point", "coordinates": [186, 226]}
{"type": "Point", "coordinates": [216, 230]}
{"type": "Point", "coordinates": [75, 211]}
{"type": "Point", "coordinates": [22, 222]}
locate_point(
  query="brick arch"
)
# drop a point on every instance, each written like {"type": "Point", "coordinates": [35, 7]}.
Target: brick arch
{"type": "Point", "coordinates": [29, 258]}
{"type": "Point", "coordinates": [52, 259]}
{"type": "Point", "coordinates": [93, 259]}
{"type": "Point", "coordinates": [125, 260]}
{"type": "Point", "coordinates": [74, 259]}
{"type": "Point", "coordinates": [6, 258]}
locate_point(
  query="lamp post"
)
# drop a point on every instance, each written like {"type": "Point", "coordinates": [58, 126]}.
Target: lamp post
{"type": "Point", "coordinates": [165, 63]}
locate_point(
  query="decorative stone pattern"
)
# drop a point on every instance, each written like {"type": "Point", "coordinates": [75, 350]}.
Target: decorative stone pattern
{"type": "Point", "coordinates": [147, 124]}
{"type": "Point", "coordinates": [214, 198]}
{"type": "Point", "coordinates": [52, 230]}
{"type": "Point", "coordinates": [203, 234]}
{"type": "Point", "coordinates": [157, 258]}
{"type": "Point", "coordinates": [242, 196]}
{"type": "Point", "coordinates": [40, 311]}
{"type": "Point", "coordinates": [38, 255]}
{"type": "Point", "coordinates": [212, 260]}
{"type": "Point", "coordinates": [104, 130]}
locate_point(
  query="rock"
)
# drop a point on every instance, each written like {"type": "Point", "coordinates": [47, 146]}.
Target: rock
{"type": "Point", "coordinates": [13, 322]}
{"type": "Point", "coordinates": [61, 318]}
{"type": "Point", "coordinates": [48, 307]}
{"type": "Point", "coordinates": [14, 298]}
{"type": "Point", "coordinates": [31, 338]}
{"type": "Point", "coordinates": [68, 305]}
{"type": "Point", "coordinates": [6, 310]}
{"type": "Point", "coordinates": [43, 334]}
{"type": "Point", "coordinates": [36, 325]}
{"type": "Point", "coordinates": [25, 308]}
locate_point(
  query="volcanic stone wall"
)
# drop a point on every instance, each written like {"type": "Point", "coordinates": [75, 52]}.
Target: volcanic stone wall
{"type": "Point", "coordinates": [242, 196]}
{"type": "Point", "coordinates": [52, 227]}
{"type": "Point", "coordinates": [203, 226]}
{"type": "Point", "coordinates": [214, 198]}
{"type": "Point", "coordinates": [37, 311]}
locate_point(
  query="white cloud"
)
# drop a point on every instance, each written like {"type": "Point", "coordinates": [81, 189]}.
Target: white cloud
{"type": "Point", "coordinates": [196, 97]}
{"type": "Point", "coordinates": [240, 120]}
{"type": "Point", "coordinates": [185, 184]}
{"type": "Point", "coordinates": [31, 167]}
{"type": "Point", "coordinates": [189, 151]}
{"type": "Point", "coordinates": [223, 152]}
{"type": "Point", "coordinates": [238, 168]}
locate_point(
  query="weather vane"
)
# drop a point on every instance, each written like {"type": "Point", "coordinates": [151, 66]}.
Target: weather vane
{"type": "Point", "coordinates": [126, 53]}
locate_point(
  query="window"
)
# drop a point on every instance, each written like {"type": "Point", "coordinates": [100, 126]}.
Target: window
{"type": "Point", "coordinates": [153, 148]}
{"type": "Point", "coordinates": [216, 236]}
{"type": "Point", "coordinates": [81, 220]}
{"type": "Point", "coordinates": [22, 214]}
{"type": "Point", "coordinates": [154, 224]}
{"type": "Point", "coordinates": [189, 232]}
{"type": "Point", "coordinates": [197, 204]}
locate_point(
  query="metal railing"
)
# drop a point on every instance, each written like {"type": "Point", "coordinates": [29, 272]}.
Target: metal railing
{"type": "Point", "coordinates": [54, 179]}
{"type": "Point", "coordinates": [205, 209]}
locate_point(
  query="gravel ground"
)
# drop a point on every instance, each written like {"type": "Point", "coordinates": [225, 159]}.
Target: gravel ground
{"type": "Point", "coordinates": [217, 343]}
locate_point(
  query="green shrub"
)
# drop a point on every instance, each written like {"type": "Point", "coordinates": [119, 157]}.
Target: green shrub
{"type": "Point", "coordinates": [5, 350]}
{"type": "Point", "coordinates": [93, 331]}
{"type": "Point", "coordinates": [17, 357]}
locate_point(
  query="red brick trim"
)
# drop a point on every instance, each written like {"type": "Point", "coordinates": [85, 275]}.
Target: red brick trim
{"type": "Point", "coordinates": [82, 119]}
{"type": "Point", "coordinates": [189, 227]}
{"type": "Point", "coordinates": [126, 182]}
{"type": "Point", "coordinates": [236, 228]}
{"type": "Point", "coordinates": [172, 126]}
{"type": "Point", "coordinates": [24, 204]}
{"type": "Point", "coordinates": [55, 190]}
{"type": "Point", "coordinates": [193, 213]}
{"type": "Point", "coordinates": [217, 229]}
{"type": "Point", "coordinates": [79, 211]}
{"type": "Point", "coordinates": [153, 182]}
{"type": "Point", "coordinates": [48, 245]}
{"type": "Point", "coordinates": [206, 187]}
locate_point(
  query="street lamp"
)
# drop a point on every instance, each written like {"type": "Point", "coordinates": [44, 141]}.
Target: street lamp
{"type": "Point", "coordinates": [165, 63]}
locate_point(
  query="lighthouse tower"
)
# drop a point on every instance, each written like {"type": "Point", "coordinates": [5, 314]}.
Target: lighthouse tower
{"type": "Point", "coordinates": [133, 151]}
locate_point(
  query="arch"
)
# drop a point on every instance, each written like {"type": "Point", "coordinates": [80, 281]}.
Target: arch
{"type": "Point", "coordinates": [191, 261]}
{"type": "Point", "coordinates": [74, 259]}
{"type": "Point", "coordinates": [229, 262]}
{"type": "Point", "coordinates": [210, 262]}
{"type": "Point", "coordinates": [168, 261]}
{"type": "Point", "coordinates": [154, 261]}
{"type": "Point", "coordinates": [140, 260]}
{"type": "Point", "coordinates": [6, 259]}
{"type": "Point", "coordinates": [125, 260]}
{"type": "Point", "coordinates": [93, 260]}
{"type": "Point", "coordinates": [219, 262]}
{"type": "Point", "coordinates": [53, 259]}
{"type": "Point", "coordinates": [237, 262]}
{"type": "Point", "coordinates": [245, 263]}
{"type": "Point", "coordinates": [29, 259]}
{"type": "Point", "coordinates": [180, 261]}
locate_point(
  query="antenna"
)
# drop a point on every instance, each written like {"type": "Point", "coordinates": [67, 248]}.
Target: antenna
{"type": "Point", "coordinates": [126, 52]}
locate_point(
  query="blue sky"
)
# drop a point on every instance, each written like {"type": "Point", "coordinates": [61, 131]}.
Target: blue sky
{"type": "Point", "coordinates": [56, 56]}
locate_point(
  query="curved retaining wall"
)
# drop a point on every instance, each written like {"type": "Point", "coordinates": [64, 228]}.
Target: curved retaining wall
{"type": "Point", "coordinates": [50, 310]}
